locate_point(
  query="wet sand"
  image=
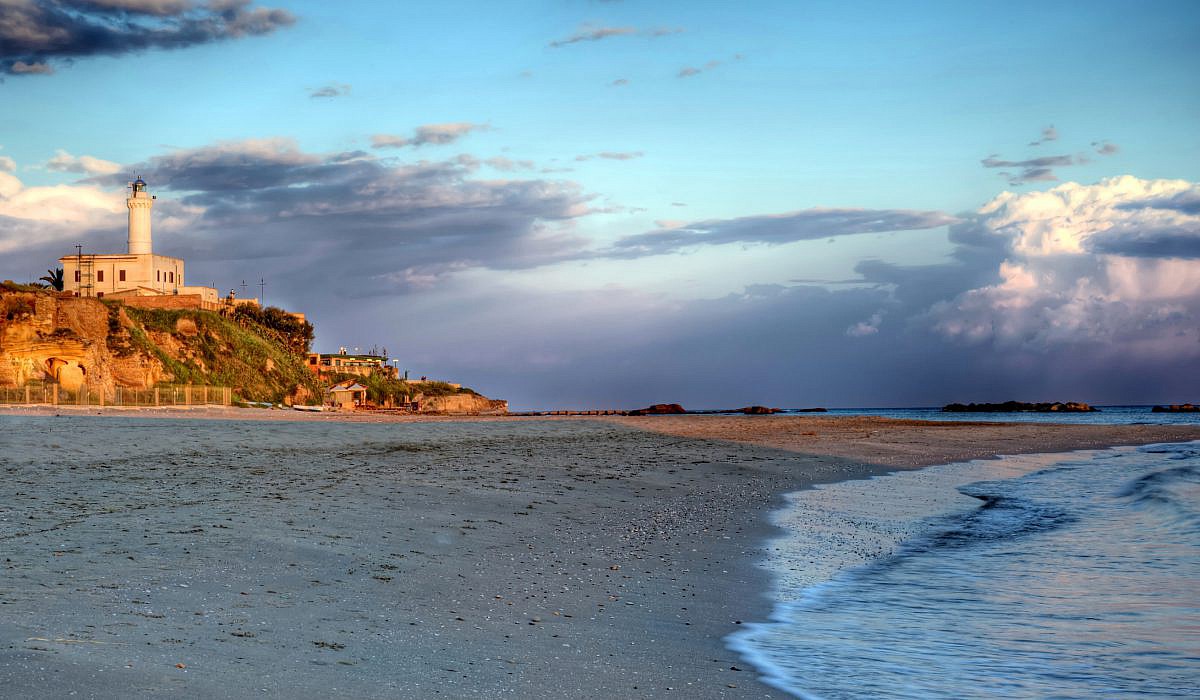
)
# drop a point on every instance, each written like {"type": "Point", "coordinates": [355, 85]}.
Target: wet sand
{"type": "Point", "coordinates": [308, 556]}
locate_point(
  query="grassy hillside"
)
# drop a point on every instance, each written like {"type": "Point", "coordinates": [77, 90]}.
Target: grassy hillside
{"type": "Point", "coordinates": [260, 362]}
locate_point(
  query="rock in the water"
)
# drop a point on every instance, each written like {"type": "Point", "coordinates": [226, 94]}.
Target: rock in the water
{"type": "Point", "coordinates": [1020, 407]}
{"type": "Point", "coordinates": [659, 409]}
{"type": "Point", "coordinates": [758, 410]}
{"type": "Point", "coordinates": [1176, 408]}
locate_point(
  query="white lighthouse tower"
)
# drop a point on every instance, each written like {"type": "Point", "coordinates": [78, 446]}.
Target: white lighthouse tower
{"type": "Point", "coordinates": [138, 272]}
{"type": "Point", "coordinates": [140, 202]}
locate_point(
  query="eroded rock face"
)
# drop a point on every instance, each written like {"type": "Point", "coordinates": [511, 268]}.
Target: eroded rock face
{"type": "Point", "coordinates": [464, 404]}
{"type": "Point", "coordinates": [64, 339]}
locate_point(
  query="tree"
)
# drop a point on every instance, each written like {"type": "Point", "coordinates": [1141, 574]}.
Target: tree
{"type": "Point", "coordinates": [54, 278]}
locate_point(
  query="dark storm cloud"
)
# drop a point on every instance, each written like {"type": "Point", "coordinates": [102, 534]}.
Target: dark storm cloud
{"type": "Point", "coordinates": [775, 229]}
{"type": "Point", "coordinates": [1186, 202]}
{"type": "Point", "coordinates": [1167, 241]}
{"type": "Point", "coordinates": [35, 34]}
{"type": "Point", "coordinates": [372, 226]}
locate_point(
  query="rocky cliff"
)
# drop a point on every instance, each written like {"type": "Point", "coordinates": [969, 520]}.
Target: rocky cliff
{"type": "Point", "coordinates": [84, 342]}
{"type": "Point", "coordinates": [468, 404]}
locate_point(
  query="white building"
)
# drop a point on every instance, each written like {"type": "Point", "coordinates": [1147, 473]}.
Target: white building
{"type": "Point", "coordinates": [137, 273]}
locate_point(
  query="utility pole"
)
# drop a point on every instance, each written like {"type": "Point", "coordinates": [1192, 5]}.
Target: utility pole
{"type": "Point", "coordinates": [243, 289]}
{"type": "Point", "coordinates": [262, 293]}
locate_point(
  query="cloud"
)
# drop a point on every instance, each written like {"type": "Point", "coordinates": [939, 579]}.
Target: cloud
{"type": "Point", "coordinates": [588, 33]}
{"type": "Point", "coordinates": [1186, 201]}
{"type": "Point", "coordinates": [36, 223]}
{"type": "Point", "coordinates": [611, 155]}
{"type": "Point", "coordinates": [1042, 169]}
{"type": "Point", "coordinates": [374, 226]}
{"type": "Point", "coordinates": [64, 162]}
{"type": "Point", "coordinates": [1049, 133]}
{"type": "Point", "coordinates": [776, 229]}
{"type": "Point", "coordinates": [867, 327]}
{"type": "Point", "coordinates": [508, 164]}
{"type": "Point", "coordinates": [1088, 264]}
{"type": "Point", "coordinates": [593, 34]}
{"type": "Point", "coordinates": [7, 165]}
{"type": "Point", "coordinates": [689, 71]}
{"type": "Point", "coordinates": [330, 90]}
{"type": "Point", "coordinates": [619, 82]}
{"type": "Point", "coordinates": [429, 134]}
{"type": "Point", "coordinates": [1047, 295]}
{"type": "Point", "coordinates": [23, 68]}
{"type": "Point", "coordinates": [149, 7]}
{"type": "Point", "coordinates": [1031, 170]}
{"type": "Point", "coordinates": [36, 34]}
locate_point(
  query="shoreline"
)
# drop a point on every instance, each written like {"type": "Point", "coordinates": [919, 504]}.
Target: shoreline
{"type": "Point", "coordinates": [520, 524]}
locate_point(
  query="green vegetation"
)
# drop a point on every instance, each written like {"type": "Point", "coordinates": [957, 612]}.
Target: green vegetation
{"type": "Point", "coordinates": [202, 347]}
{"type": "Point", "coordinates": [381, 388]}
{"type": "Point", "coordinates": [277, 323]}
{"type": "Point", "coordinates": [10, 286]}
{"type": "Point", "coordinates": [54, 278]}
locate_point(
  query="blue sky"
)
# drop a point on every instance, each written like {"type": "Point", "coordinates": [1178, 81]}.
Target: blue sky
{"type": "Point", "coordinates": [584, 125]}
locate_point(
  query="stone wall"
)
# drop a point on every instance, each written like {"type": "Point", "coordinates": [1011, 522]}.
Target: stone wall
{"type": "Point", "coordinates": [169, 301]}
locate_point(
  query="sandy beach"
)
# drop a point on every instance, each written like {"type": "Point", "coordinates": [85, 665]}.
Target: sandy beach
{"type": "Point", "coordinates": [280, 554]}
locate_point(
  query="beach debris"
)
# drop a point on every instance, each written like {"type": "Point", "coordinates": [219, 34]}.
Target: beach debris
{"type": "Point", "coordinates": [180, 665]}
{"type": "Point", "coordinates": [329, 645]}
{"type": "Point", "coordinates": [61, 640]}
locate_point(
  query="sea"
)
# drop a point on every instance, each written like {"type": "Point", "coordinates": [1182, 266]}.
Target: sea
{"type": "Point", "coordinates": [1069, 575]}
{"type": "Point", "coordinates": [1106, 415]}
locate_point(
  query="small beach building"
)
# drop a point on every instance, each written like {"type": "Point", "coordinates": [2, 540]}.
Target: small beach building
{"type": "Point", "coordinates": [348, 394]}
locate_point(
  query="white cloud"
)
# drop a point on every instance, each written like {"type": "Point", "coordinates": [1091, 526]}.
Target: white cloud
{"type": "Point", "coordinates": [35, 215]}
{"type": "Point", "coordinates": [7, 165]}
{"type": "Point", "coordinates": [1112, 263]}
{"type": "Point", "coordinates": [867, 327]}
{"type": "Point", "coordinates": [64, 162]}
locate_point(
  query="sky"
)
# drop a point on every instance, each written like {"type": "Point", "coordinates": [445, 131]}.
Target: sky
{"type": "Point", "coordinates": [607, 204]}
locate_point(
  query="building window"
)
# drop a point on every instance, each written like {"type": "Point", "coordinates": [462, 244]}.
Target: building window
{"type": "Point", "coordinates": [99, 275]}
{"type": "Point", "coordinates": [77, 275]}
{"type": "Point", "coordinates": [99, 294]}
{"type": "Point", "coordinates": [121, 275]}
{"type": "Point", "coordinates": [172, 275]}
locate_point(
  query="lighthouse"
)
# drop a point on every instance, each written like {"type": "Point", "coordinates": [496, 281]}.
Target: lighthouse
{"type": "Point", "coordinates": [140, 202]}
{"type": "Point", "coordinates": [138, 272]}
